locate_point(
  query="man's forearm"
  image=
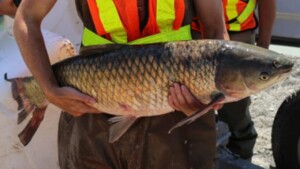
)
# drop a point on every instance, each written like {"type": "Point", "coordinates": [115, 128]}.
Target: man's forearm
{"type": "Point", "coordinates": [267, 13]}
{"type": "Point", "coordinates": [31, 43]}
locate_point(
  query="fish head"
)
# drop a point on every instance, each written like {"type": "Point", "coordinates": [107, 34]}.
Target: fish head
{"type": "Point", "coordinates": [245, 69]}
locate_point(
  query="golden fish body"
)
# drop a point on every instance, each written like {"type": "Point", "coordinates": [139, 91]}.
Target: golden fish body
{"type": "Point", "coordinates": [134, 81]}
{"type": "Point", "coordinates": [137, 81]}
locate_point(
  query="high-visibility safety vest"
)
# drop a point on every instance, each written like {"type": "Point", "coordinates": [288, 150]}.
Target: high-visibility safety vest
{"type": "Point", "coordinates": [239, 14]}
{"type": "Point", "coordinates": [117, 21]}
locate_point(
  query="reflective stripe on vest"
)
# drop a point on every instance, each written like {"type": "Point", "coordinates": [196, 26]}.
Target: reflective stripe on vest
{"type": "Point", "coordinates": [184, 33]}
{"type": "Point", "coordinates": [126, 29]}
{"type": "Point", "coordinates": [239, 15]}
{"type": "Point", "coordinates": [165, 19]}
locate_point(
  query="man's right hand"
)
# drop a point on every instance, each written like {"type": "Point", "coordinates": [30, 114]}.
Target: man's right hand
{"type": "Point", "coordinates": [71, 101]}
{"type": "Point", "coordinates": [27, 31]}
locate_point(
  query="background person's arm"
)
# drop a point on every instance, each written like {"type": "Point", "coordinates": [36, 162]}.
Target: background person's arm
{"type": "Point", "coordinates": [266, 16]}
{"type": "Point", "coordinates": [27, 30]}
{"type": "Point", "coordinates": [210, 14]}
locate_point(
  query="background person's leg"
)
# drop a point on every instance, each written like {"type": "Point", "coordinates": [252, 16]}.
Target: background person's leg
{"type": "Point", "coordinates": [237, 115]}
{"type": "Point", "coordinates": [243, 134]}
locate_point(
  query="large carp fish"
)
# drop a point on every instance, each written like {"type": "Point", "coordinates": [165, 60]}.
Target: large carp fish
{"type": "Point", "coordinates": [134, 81]}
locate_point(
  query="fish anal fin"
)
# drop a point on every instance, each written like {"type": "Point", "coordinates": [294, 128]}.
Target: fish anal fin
{"type": "Point", "coordinates": [217, 99]}
{"type": "Point", "coordinates": [120, 124]}
{"type": "Point", "coordinates": [27, 133]}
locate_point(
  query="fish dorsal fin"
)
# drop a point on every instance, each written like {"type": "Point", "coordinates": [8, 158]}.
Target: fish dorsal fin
{"type": "Point", "coordinates": [120, 124]}
{"type": "Point", "coordinates": [100, 49]}
{"type": "Point", "coordinates": [218, 98]}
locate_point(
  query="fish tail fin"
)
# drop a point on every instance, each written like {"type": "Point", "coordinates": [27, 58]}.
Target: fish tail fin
{"type": "Point", "coordinates": [23, 114]}
{"type": "Point", "coordinates": [27, 133]}
{"type": "Point", "coordinates": [120, 124]}
{"type": "Point", "coordinates": [26, 106]}
{"type": "Point", "coordinates": [16, 86]}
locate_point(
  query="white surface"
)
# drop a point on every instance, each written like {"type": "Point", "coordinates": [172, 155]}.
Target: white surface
{"type": "Point", "coordinates": [63, 19]}
{"type": "Point", "coordinates": [287, 23]}
{"type": "Point", "coordinates": [288, 50]}
{"type": "Point", "coordinates": [41, 153]}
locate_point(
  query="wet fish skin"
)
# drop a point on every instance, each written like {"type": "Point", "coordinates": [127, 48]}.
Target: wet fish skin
{"type": "Point", "coordinates": [137, 80]}
{"type": "Point", "coordinates": [248, 64]}
{"type": "Point", "coordinates": [133, 81]}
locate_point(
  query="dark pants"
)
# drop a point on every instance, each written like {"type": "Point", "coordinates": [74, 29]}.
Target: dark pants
{"type": "Point", "coordinates": [243, 134]}
{"type": "Point", "coordinates": [237, 115]}
{"type": "Point", "coordinates": [83, 143]}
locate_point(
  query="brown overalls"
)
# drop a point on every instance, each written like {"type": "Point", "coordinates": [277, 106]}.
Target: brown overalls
{"type": "Point", "coordinates": [83, 141]}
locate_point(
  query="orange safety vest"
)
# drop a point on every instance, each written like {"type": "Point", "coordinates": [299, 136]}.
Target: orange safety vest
{"type": "Point", "coordinates": [117, 21]}
{"type": "Point", "coordinates": [239, 15]}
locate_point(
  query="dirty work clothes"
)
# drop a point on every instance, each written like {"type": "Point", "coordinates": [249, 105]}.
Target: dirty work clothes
{"type": "Point", "coordinates": [83, 143]}
{"type": "Point", "coordinates": [237, 114]}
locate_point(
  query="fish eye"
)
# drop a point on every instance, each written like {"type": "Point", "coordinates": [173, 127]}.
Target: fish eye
{"type": "Point", "coordinates": [264, 76]}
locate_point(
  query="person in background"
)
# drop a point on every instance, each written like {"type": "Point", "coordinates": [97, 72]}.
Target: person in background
{"type": "Point", "coordinates": [241, 23]}
{"type": "Point", "coordinates": [83, 141]}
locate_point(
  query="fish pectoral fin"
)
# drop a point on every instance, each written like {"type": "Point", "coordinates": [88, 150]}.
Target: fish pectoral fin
{"type": "Point", "coordinates": [120, 124]}
{"type": "Point", "coordinates": [218, 98]}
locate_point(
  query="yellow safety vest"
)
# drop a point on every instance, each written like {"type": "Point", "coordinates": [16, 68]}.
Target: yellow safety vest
{"type": "Point", "coordinates": [239, 14]}
{"type": "Point", "coordinates": [107, 12]}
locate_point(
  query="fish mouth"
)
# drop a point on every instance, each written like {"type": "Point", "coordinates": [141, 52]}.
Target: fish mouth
{"type": "Point", "coordinates": [286, 68]}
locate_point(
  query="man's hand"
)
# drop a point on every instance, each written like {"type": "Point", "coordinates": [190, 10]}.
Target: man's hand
{"type": "Point", "coordinates": [182, 99]}
{"type": "Point", "coordinates": [71, 101]}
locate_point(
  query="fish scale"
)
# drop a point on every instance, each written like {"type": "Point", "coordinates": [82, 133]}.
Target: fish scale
{"type": "Point", "coordinates": [134, 81]}
{"type": "Point", "coordinates": [122, 72]}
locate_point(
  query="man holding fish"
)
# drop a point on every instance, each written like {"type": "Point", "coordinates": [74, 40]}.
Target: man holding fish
{"type": "Point", "coordinates": [85, 140]}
